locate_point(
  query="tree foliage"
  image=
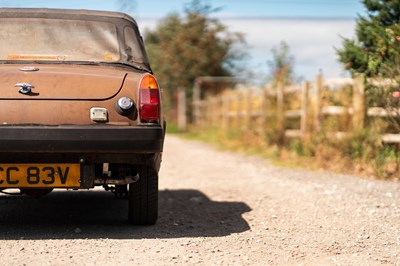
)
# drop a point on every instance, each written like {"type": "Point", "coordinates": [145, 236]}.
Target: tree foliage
{"type": "Point", "coordinates": [182, 48]}
{"type": "Point", "coordinates": [375, 50]}
{"type": "Point", "coordinates": [282, 64]}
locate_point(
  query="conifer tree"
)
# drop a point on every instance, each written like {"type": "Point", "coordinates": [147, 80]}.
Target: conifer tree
{"type": "Point", "coordinates": [375, 49]}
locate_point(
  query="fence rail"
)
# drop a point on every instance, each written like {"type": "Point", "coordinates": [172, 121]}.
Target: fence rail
{"type": "Point", "coordinates": [252, 109]}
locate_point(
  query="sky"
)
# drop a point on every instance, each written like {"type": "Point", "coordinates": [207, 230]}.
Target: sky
{"type": "Point", "coordinates": [311, 28]}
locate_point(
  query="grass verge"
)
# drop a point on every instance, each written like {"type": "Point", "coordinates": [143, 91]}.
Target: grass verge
{"type": "Point", "coordinates": [360, 154]}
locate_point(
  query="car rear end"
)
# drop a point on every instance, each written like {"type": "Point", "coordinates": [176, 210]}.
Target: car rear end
{"type": "Point", "coordinates": [79, 108]}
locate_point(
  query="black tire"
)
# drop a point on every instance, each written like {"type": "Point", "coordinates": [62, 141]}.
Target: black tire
{"type": "Point", "coordinates": [143, 197]}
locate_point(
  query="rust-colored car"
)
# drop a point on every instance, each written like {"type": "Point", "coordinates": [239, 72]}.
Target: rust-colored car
{"type": "Point", "coordinates": [79, 106]}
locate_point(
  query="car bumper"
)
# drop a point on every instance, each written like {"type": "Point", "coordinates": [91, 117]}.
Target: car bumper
{"type": "Point", "coordinates": [81, 139]}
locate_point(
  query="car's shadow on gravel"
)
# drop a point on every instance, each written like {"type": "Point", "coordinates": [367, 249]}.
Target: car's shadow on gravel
{"type": "Point", "coordinates": [97, 214]}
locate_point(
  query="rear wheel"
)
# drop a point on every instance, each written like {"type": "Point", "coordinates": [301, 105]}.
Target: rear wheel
{"type": "Point", "coordinates": [143, 197]}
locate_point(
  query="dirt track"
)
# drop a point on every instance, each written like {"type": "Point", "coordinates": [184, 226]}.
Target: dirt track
{"type": "Point", "coordinates": [216, 208]}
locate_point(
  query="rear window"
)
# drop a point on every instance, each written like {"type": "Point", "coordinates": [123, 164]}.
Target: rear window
{"type": "Point", "coordinates": [133, 45]}
{"type": "Point", "coordinates": [58, 40]}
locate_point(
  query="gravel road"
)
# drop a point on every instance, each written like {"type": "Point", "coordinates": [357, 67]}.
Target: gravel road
{"type": "Point", "coordinates": [216, 208]}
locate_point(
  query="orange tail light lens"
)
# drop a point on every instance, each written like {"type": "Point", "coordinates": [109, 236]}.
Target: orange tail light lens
{"type": "Point", "coordinates": [149, 99]}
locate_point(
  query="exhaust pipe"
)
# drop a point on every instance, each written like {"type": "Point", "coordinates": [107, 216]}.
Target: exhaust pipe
{"type": "Point", "coordinates": [125, 181]}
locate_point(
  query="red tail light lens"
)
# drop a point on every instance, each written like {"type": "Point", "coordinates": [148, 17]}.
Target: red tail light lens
{"type": "Point", "coordinates": [149, 99]}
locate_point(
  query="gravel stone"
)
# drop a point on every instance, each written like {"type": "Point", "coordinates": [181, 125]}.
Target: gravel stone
{"type": "Point", "coordinates": [216, 208]}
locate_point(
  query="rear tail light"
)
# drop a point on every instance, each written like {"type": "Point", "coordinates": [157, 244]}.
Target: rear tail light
{"type": "Point", "coordinates": [149, 100]}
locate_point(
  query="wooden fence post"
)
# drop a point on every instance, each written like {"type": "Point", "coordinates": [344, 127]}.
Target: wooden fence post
{"type": "Point", "coordinates": [212, 112]}
{"type": "Point", "coordinates": [319, 83]}
{"type": "Point", "coordinates": [264, 111]}
{"type": "Point", "coordinates": [217, 104]}
{"type": "Point", "coordinates": [220, 103]}
{"type": "Point", "coordinates": [239, 118]}
{"type": "Point", "coordinates": [182, 121]}
{"type": "Point", "coordinates": [359, 105]}
{"type": "Point", "coordinates": [249, 106]}
{"type": "Point", "coordinates": [225, 112]}
{"type": "Point", "coordinates": [209, 111]}
{"type": "Point", "coordinates": [304, 109]}
{"type": "Point", "coordinates": [197, 112]}
{"type": "Point", "coordinates": [280, 112]}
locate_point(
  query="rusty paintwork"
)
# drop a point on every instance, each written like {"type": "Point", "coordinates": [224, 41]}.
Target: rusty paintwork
{"type": "Point", "coordinates": [64, 94]}
{"type": "Point", "coordinates": [65, 91]}
{"type": "Point", "coordinates": [62, 74]}
{"type": "Point", "coordinates": [62, 82]}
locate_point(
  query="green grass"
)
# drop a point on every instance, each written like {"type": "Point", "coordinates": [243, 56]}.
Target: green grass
{"type": "Point", "coordinates": [356, 155]}
{"type": "Point", "coordinates": [234, 141]}
{"type": "Point", "coordinates": [172, 128]}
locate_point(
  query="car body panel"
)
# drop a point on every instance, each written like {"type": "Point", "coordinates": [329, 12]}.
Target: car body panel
{"type": "Point", "coordinates": [81, 139]}
{"type": "Point", "coordinates": [61, 82]}
{"type": "Point", "coordinates": [64, 94]}
{"type": "Point", "coordinates": [46, 101]}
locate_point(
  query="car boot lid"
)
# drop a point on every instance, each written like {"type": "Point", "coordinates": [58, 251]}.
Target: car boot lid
{"type": "Point", "coordinates": [60, 82]}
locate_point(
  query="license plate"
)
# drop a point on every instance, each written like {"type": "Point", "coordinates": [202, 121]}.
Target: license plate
{"type": "Point", "coordinates": [40, 175]}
